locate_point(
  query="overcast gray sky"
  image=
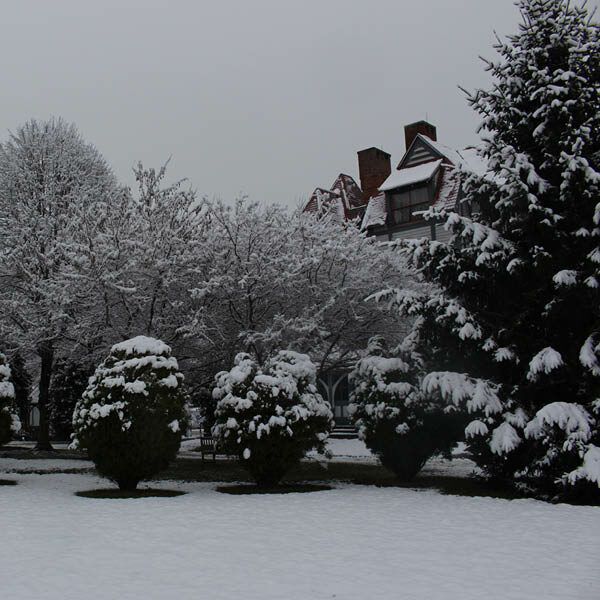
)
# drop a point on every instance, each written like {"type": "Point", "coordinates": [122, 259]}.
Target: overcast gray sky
{"type": "Point", "coordinates": [267, 97]}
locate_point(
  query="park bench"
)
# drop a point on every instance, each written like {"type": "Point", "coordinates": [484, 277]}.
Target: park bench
{"type": "Point", "coordinates": [208, 445]}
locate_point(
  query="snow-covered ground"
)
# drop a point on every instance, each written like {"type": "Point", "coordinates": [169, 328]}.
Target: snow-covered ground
{"type": "Point", "coordinates": [353, 542]}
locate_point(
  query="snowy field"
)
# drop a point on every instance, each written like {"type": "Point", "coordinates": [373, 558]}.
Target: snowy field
{"type": "Point", "coordinates": [353, 542]}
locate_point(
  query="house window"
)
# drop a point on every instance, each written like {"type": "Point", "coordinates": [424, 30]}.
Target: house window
{"type": "Point", "coordinates": [407, 203]}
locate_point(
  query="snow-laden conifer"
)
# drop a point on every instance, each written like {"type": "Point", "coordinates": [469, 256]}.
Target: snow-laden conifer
{"type": "Point", "coordinates": [9, 419]}
{"type": "Point", "coordinates": [396, 416]}
{"type": "Point", "coordinates": [270, 415]}
{"type": "Point", "coordinates": [131, 416]}
{"type": "Point", "coordinates": [518, 304]}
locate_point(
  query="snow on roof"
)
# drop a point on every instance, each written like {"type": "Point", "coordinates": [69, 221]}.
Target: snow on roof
{"type": "Point", "coordinates": [349, 190]}
{"type": "Point", "coordinates": [448, 190]}
{"type": "Point", "coordinates": [376, 213]}
{"type": "Point", "coordinates": [467, 159]}
{"type": "Point", "coordinates": [320, 200]}
{"type": "Point", "coordinates": [410, 175]}
{"type": "Point", "coordinates": [452, 155]}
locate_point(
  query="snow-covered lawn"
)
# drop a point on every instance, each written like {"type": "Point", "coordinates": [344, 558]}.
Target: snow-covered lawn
{"type": "Point", "coordinates": [353, 542]}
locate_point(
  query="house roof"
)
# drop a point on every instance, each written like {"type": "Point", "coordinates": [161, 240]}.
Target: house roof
{"type": "Point", "coordinates": [448, 189]}
{"type": "Point", "coordinates": [349, 191]}
{"type": "Point", "coordinates": [376, 212]}
{"type": "Point", "coordinates": [410, 175]}
{"type": "Point", "coordinates": [344, 200]}
{"type": "Point", "coordinates": [448, 153]}
{"type": "Point", "coordinates": [319, 199]}
{"type": "Point", "coordinates": [467, 159]}
{"type": "Point", "coordinates": [446, 196]}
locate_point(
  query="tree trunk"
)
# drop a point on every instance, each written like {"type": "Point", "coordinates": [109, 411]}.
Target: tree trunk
{"type": "Point", "coordinates": [128, 485]}
{"type": "Point", "coordinates": [46, 353]}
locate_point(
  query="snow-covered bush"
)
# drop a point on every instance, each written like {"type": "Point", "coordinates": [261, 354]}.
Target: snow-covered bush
{"type": "Point", "coordinates": [131, 416]}
{"type": "Point", "coordinates": [270, 415]}
{"type": "Point", "coordinates": [9, 420]}
{"type": "Point", "coordinates": [398, 422]}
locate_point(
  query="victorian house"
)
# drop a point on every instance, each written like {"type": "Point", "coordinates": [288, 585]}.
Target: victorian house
{"type": "Point", "coordinates": [389, 205]}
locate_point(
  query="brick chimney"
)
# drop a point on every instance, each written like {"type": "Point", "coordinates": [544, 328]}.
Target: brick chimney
{"type": "Point", "coordinates": [422, 127]}
{"type": "Point", "coordinates": [374, 168]}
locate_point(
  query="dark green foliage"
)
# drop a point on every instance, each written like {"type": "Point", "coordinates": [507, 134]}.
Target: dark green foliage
{"type": "Point", "coordinates": [208, 406]}
{"type": "Point", "coordinates": [69, 381]}
{"type": "Point", "coordinates": [398, 423]}
{"type": "Point", "coordinates": [22, 382]}
{"type": "Point", "coordinates": [272, 457]}
{"type": "Point", "coordinates": [516, 301]}
{"type": "Point", "coordinates": [407, 454]}
{"type": "Point", "coordinates": [6, 433]}
{"type": "Point", "coordinates": [270, 416]}
{"type": "Point", "coordinates": [131, 416]}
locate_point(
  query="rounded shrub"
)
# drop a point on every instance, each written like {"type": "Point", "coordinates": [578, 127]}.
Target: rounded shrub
{"type": "Point", "coordinates": [10, 423]}
{"type": "Point", "coordinates": [131, 416]}
{"type": "Point", "coordinates": [270, 416]}
{"type": "Point", "coordinates": [401, 426]}
{"type": "Point", "coordinates": [9, 419]}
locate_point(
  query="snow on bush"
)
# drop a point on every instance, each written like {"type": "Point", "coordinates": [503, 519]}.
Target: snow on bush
{"type": "Point", "coordinates": [588, 355]}
{"type": "Point", "coordinates": [9, 420]}
{"type": "Point", "coordinates": [131, 416]}
{"type": "Point", "coordinates": [544, 361]}
{"type": "Point", "coordinates": [590, 469]}
{"type": "Point", "coordinates": [565, 431]}
{"type": "Point", "coordinates": [398, 421]}
{"type": "Point", "coordinates": [460, 390]}
{"type": "Point", "coordinates": [270, 415]}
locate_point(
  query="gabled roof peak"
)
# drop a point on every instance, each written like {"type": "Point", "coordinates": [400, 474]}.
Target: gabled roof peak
{"type": "Point", "coordinates": [423, 149]}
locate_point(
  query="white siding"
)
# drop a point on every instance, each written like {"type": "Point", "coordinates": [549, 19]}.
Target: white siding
{"type": "Point", "coordinates": [441, 235]}
{"type": "Point", "coordinates": [415, 232]}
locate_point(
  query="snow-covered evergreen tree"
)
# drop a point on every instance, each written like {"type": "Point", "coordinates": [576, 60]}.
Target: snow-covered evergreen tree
{"type": "Point", "coordinates": [9, 419]}
{"type": "Point", "coordinates": [518, 305]}
{"type": "Point", "coordinates": [131, 417]}
{"type": "Point", "coordinates": [397, 422]}
{"type": "Point", "coordinates": [270, 415]}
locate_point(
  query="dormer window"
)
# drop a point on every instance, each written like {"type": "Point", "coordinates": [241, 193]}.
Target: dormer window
{"type": "Point", "coordinates": [405, 204]}
{"type": "Point", "coordinates": [410, 191]}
